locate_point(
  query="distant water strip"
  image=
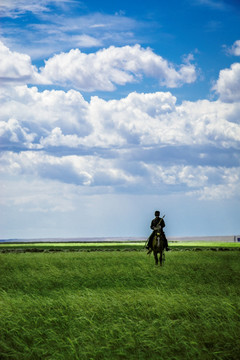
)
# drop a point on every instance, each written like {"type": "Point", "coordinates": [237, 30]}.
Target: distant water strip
{"type": "Point", "coordinates": [230, 238]}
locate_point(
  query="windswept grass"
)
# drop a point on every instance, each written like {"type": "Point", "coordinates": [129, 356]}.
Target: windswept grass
{"type": "Point", "coordinates": [119, 305]}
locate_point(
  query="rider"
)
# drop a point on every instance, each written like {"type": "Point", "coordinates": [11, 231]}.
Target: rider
{"type": "Point", "coordinates": [154, 223]}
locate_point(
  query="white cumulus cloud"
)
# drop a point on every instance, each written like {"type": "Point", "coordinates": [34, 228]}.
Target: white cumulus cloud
{"type": "Point", "coordinates": [227, 188]}
{"type": "Point", "coordinates": [228, 84]}
{"type": "Point", "coordinates": [73, 169]}
{"type": "Point", "coordinates": [103, 70]}
{"type": "Point", "coordinates": [41, 112]}
{"type": "Point", "coordinates": [12, 131]}
{"type": "Point", "coordinates": [235, 49]}
{"type": "Point", "coordinates": [113, 66]}
{"type": "Point", "coordinates": [57, 118]}
{"type": "Point", "coordinates": [16, 67]}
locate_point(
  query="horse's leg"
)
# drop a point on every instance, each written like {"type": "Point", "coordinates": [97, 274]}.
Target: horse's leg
{"type": "Point", "coordinates": [156, 257]}
{"type": "Point", "coordinates": [160, 258]}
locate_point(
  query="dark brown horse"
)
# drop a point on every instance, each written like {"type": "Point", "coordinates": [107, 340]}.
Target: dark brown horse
{"type": "Point", "coordinates": [158, 247]}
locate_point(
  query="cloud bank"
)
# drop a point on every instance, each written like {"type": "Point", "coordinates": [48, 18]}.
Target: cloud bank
{"type": "Point", "coordinates": [122, 144]}
{"type": "Point", "coordinates": [56, 118]}
{"type": "Point", "coordinates": [141, 143]}
{"type": "Point", "coordinates": [103, 70]}
{"type": "Point", "coordinates": [107, 67]}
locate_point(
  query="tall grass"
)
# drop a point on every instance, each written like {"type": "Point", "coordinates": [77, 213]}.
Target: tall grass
{"type": "Point", "coordinates": [119, 305]}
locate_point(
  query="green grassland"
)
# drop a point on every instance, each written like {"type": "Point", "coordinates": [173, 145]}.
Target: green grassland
{"type": "Point", "coordinates": [118, 305]}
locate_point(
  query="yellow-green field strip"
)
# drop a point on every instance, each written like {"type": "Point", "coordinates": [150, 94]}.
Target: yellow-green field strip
{"type": "Point", "coordinates": [77, 244]}
{"type": "Point", "coordinates": [121, 244]}
{"type": "Point", "coordinates": [205, 244]}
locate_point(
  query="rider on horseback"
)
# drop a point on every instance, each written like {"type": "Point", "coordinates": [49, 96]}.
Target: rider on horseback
{"type": "Point", "coordinates": [157, 221]}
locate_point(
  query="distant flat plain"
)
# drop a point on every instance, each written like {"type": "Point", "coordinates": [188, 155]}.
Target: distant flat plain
{"type": "Point", "coordinates": [228, 238]}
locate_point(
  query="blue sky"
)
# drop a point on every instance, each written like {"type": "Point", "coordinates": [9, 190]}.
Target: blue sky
{"type": "Point", "coordinates": [110, 111]}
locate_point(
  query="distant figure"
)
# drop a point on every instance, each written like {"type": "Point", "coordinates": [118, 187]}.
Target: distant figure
{"type": "Point", "coordinates": [157, 221]}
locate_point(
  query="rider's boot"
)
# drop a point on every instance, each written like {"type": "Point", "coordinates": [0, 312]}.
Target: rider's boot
{"type": "Point", "coordinates": [166, 245]}
{"type": "Point", "coordinates": [149, 244]}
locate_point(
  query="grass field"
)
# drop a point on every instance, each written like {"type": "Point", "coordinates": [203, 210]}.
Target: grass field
{"type": "Point", "coordinates": [119, 305]}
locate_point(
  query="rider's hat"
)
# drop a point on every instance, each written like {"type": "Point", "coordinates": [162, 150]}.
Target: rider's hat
{"type": "Point", "coordinates": [157, 213]}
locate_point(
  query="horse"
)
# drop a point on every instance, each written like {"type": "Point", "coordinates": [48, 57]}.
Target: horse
{"type": "Point", "coordinates": [158, 246]}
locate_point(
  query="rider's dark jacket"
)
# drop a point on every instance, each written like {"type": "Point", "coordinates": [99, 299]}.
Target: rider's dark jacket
{"type": "Point", "coordinates": [156, 221]}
